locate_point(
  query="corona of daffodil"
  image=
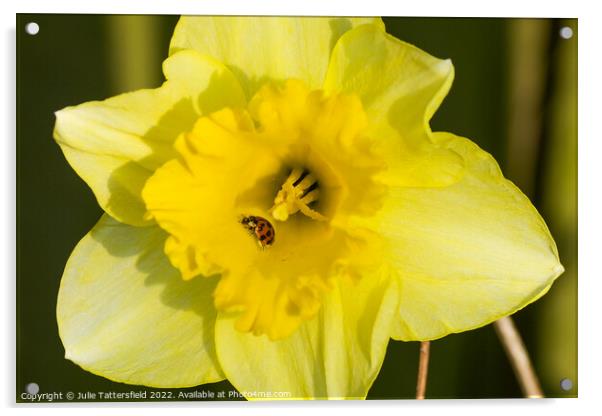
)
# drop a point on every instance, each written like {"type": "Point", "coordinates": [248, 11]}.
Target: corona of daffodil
{"type": "Point", "coordinates": [279, 209]}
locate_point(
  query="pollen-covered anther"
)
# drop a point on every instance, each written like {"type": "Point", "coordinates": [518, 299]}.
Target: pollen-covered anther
{"type": "Point", "coordinates": [298, 191]}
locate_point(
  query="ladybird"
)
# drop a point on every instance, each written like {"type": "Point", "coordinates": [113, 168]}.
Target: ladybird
{"type": "Point", "coordinates": [262, 228]}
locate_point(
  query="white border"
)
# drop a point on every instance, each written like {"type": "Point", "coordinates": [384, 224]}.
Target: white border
{"type": "Point", "coordinates": [590, 189]}
{"type": "Point", "coordinates": [461, 8]}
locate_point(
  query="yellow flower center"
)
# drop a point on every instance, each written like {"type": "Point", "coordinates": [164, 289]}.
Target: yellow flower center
{"type": "Point", "coordinates": [261, 197]}
{"type": "Point", "coordinates": [299, 190]}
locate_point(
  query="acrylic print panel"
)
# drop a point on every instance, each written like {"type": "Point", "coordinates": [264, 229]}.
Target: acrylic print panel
{"type": "Point", "coordinates": [284, 218]}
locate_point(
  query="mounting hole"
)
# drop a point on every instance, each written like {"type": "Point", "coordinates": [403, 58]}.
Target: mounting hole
{"type": "Point", "coordinates": [566, 384]}
{"type": "Point", "coordinates": [566, 33]}
{"type": "Point", "coordinates": [32, 28]}
{"type": "Point", "coordinates": [32, 388]}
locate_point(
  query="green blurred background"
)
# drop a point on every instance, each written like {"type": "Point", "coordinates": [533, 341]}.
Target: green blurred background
{"type": "Point", "coordinates": [515, 94]}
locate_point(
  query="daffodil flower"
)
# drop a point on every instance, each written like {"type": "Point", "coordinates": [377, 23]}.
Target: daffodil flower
{"type": "Point", "coordinates": [279, 209]}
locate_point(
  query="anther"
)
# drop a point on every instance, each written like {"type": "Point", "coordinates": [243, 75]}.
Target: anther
{"type": "Point", "coordinates": [308, 190]}
{"type": "Point", "coordinates": [301, 177]}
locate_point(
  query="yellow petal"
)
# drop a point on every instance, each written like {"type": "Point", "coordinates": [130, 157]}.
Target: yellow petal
{"type": "Point", "coordinates": [466, 254]}
{"type": "Point", "coordinates": [116, 144]}
{"type": "Point", "coordinates": [125, 314]}
{"type": "Point", "coordinates": [336, 355]}
{"type": "Point", "coordinates": [261, 49]}
{"type": "Point", "coordinates": [400, 87]}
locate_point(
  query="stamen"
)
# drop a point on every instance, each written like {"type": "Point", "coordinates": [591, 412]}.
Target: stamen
{"type": "Point", "coordinates": [298, 191]}
{"type": "Point", "coordinates": [303, 175]}
{"type": "Point", "coordinates": [308, 190]}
